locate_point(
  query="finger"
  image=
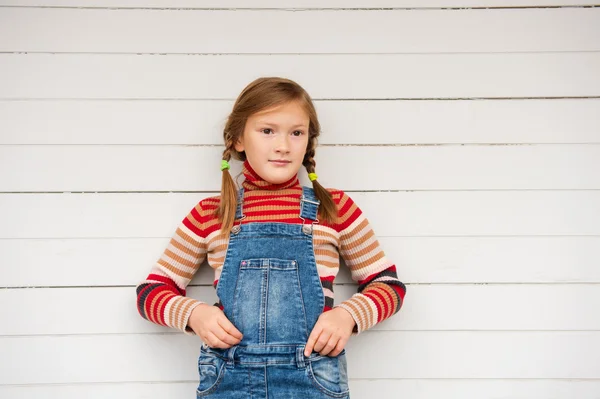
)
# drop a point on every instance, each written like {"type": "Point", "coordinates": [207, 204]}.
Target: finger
{"type": "Point", "coordinates": [229, 327]}
{"type": "Point", "coordinates": [312, 339]}
{"type": "Point", "coordinates": [214, 341]}
{"type": "Point", "coordinates": [329, 346]}
{"type": "Point", "coordinates": [322, 341]}
{"type": "Point", "coordinates": [225, 336]}
{"type": "Point", "coordinates": [338, 348]}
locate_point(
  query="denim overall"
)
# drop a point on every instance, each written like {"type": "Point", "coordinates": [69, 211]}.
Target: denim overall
{"type": "Point", "coordinates": [271, 291]}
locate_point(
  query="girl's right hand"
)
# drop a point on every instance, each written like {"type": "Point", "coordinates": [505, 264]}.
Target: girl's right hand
{"type": "Point", "coordinates": [213, 327]}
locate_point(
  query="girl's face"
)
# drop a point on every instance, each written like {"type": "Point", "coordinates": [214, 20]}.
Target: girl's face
{"type": "Point", "coordinates": [275, 141]}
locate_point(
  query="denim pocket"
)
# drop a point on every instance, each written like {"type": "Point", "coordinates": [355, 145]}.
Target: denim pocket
{"type": "Point", "coordinates": [211, 369]}
{"type": "Point", "coordinates": [330, 375]}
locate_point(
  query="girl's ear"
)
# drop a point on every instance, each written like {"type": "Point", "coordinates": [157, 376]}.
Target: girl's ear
{"type": "Point", "coordinates": [239, 145]}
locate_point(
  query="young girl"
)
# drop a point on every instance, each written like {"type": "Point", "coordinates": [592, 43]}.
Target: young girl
{"type": "Point", "coordinates": [274, 246]}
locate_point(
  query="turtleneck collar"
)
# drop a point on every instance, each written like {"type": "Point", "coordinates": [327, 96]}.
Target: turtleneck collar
{"type": "Point", "coordinates": [255, 182]}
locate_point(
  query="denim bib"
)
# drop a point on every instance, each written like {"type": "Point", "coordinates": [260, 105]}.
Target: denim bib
{"type": "Point", "coordinates": [270, 290]}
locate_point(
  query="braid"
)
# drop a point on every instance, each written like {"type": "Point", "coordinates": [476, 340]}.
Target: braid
{"type": "Point", "coordinates": [328, 209]}
{"type": "Point", "coordinates": [228, 203]}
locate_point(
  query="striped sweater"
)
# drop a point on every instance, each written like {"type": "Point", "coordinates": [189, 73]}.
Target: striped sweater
{"type": "Point", "coordinates": [161, 296]}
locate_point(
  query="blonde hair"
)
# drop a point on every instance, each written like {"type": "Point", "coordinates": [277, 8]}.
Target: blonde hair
{"type": "Point", "coordinates": [264, 93]}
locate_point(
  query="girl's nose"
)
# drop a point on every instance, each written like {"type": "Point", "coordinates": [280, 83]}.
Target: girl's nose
{"type": "Point", "coordinates": [283, 144]}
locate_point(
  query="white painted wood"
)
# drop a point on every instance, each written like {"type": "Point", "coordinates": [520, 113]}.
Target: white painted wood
{"type": "Point", "coordinates": [235, 31]}
{"type": "Point", "coordinates": [363, 76]}
{"type": "Point", "coordinates": [518, 307]}
{"type": "Point", "coordinates": [428, 388]}
{"type": "Point", "coordinates": [392, 214]}
{"type": "Point", "coordinates": [159, 168]}
{"type": "Point", "coordinates": [286, 4]}
{"type": "Point", "coordinates": [500, 257]}
{"type": "Point", "coordinates": [342, 122]}
{"type": "Point", "coordinates": [467, 259]}
{"type": "Point", "coordinates": [426, 354]}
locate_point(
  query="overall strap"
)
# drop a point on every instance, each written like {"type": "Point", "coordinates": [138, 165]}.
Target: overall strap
{"type": "Point", "coordinates": [309, 204]}
{"type": "Point", "coordinates": [239, 213]}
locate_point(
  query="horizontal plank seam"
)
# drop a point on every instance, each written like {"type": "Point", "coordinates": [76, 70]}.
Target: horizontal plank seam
{"type": "Point", "coordinates": [370, 332]}
{"type": "Point", "coordinates": [66, 384]}
{"type": "Point", "coordinates": [296, 9]}
{"type": "Point", "coordinates": [275, 53]}
{"type": "Point", "coordinates": [339, 99]}
{"type": "Point", "coordinates": [207, 285]}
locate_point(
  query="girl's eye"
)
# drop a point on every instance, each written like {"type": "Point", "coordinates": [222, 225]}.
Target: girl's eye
{"type": "Point", "coordinates": [299, 131]}
{"type": "Point", "coordinates": [265, 129]}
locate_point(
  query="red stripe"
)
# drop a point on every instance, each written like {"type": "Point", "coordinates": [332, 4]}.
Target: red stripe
{"type": "Point", "coordinates": [272, 197]}
{"type": "Point", "coordinates": [327, 278]}
{"type": "Point", "coordinates": [155, 316]}
{"type": "Point", "coordinates": [192, 227]}
{"type": "Point", "coordinates": [357, 212]}
{"type": "Point", "coordinates": [168, 282]}
{"type": "Point", "coordinates": [391, 301]}
{"type": "Point", "coordinates": [143, 307]}
{"type": "Point", "coordinates": [399, 290]}
{"type": "Point", "coordinates": [374, 275]}
{"type": "Point", "coordinates": [160, 310]}
{"type": "Point", "coordinates": [270, 202]}
{"type": "Point", "coordinates": [380, 314]}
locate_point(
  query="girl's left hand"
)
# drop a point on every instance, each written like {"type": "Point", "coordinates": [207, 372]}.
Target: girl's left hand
{"type": "Point", "coordinates": [331, 333]}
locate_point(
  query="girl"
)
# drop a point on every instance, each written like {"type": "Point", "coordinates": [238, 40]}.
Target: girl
{"type": "Point", "coordinates": [274, 246]}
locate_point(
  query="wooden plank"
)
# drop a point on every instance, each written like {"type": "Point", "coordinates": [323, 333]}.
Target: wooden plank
{"type": "Point", "coordinates": [184, 168]}
{"type": "Point", "coordinates": [392, 214]}
{"type": "Point", "coordinates": [276, 4]}
{"type": "Point", "coordinates": [359, 388]}
{"type": "Point", "coordinates": [57, 262]}
{"type": "Point", "coordinates": [384, 76]}
{"type": "Point", "coordinates": [426, 354]}
{"type": "Point", "coordinates": [504, 307]}
{"type": "Point", "coordinates": [178, 31]}
{"type": "Point", "coordinates": [201, 122]}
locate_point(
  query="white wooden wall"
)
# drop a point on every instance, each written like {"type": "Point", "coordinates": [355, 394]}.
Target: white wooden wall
{"type": "Point", "coordinates": [467, 130]}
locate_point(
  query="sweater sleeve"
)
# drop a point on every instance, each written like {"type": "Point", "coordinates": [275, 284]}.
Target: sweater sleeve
{"type": "Point", "coordinates": [161, 296]}
{"type": "Point", "coordinates": [380, 293]}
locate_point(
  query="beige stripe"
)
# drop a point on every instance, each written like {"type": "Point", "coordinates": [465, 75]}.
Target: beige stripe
{"type": "Point", "coordinates": [349, 212]}
{"type": "Point", "coordinates": [368, 313]}
{"type": "Point", "coordinates": [366, 263]}
{"type": "Point", "coordinates": [391, 293]}
{"type": "Point", "coordinates": [155, 301]}
{"type": "Point", "coordinates": [360, 238]}
{"type": "Point", "coordinates": [272, 217]}
{"type": "Point", "coordinates": [326, 252]}
{"type": "Point", "coordinates": [179, 260]}
{"type": "Point", "coordinates": [188, 304]}
{"type": "Point", "coordinates": [248, 194]}
{"type": "Point", "coordinates": [219, 248]}
{"type": "Point", "coordinates": [192, 250]}
{"type": "Point", "coordinates": [350, 237]}
{"type": "Point", "coordinates": [186, 238]}
{"type": "Point", "coordinates": [353, 305]}
{"type": "Point", "coordinates": [176, 309]}
{"type": "Point", "coordinates": [216, 260]}
{"type": "Point", "coordinates": [383, 294]}
{"type": "Point", "coordinates": [193, 220]}
{"type": "Point", "coordinates": [331, 265]}
{"type": "Point", "coordinates": [166, 298]}
{"type": "Point", "coordinates": [321, 234]}
{"type": "Point", "coordinates": [175, 270]}
{"type": "Point", "coordinates": [368, 250]}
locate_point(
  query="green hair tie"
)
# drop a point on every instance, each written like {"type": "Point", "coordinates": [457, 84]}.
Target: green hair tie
{"type": "Point", "coordinates": [224, 165]}
{"type": "Point", "coordinates": [312, 176]}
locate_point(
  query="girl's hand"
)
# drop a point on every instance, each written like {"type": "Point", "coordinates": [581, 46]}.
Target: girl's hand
{"type": "Point", "coordinates": [213, 327]}
{"type": "Point", "coordinates": [331, 333]}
